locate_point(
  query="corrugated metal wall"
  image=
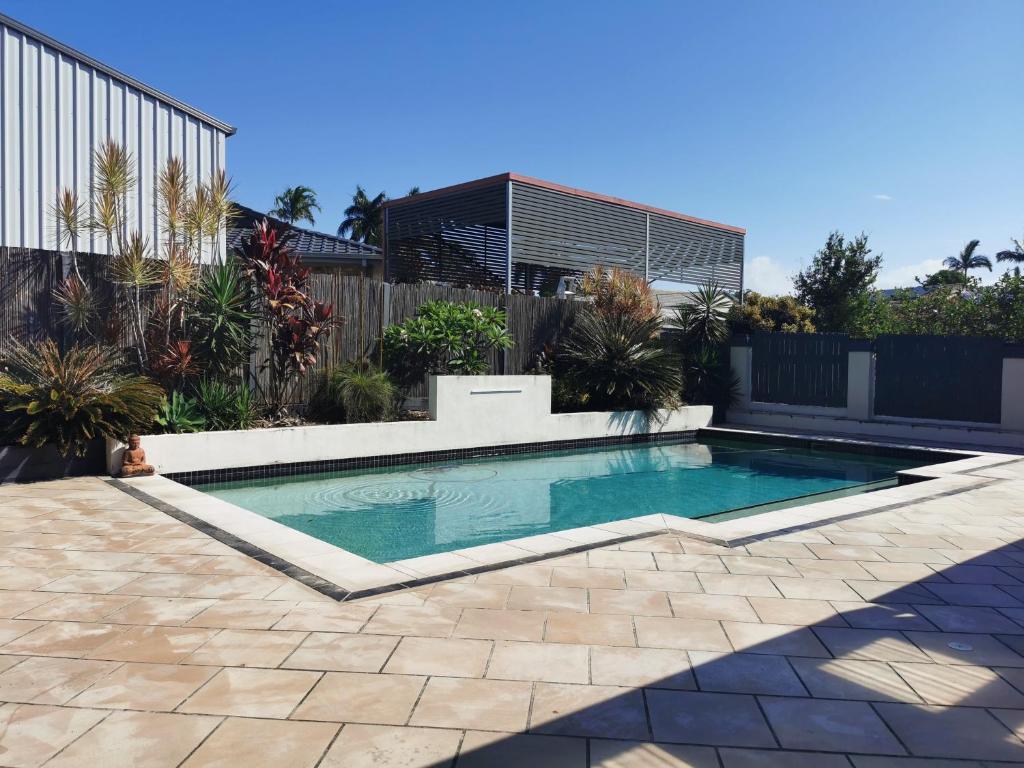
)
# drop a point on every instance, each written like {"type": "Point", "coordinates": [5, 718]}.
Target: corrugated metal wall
{"type": "Point", "coordinates": [55, 110]}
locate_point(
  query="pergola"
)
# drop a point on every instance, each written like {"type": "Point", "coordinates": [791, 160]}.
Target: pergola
{"type": "Point", "coordinates": [459, 235]}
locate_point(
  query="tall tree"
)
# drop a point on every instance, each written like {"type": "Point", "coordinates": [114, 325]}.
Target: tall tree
{"type": "Point", "coordinates": [296, 204]}
{"type": "Point", "coordinates": [838, 282]}
{"type": "Point", "coordinates": [1015, 254]}
{"type": "Point", "coordinates": [967, 259]}
{"type": "Point", "coordinates": [364, 219]}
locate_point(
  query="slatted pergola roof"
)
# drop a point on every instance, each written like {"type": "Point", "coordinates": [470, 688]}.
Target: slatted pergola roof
{"type": "Point", "coordinates": [460, 235]}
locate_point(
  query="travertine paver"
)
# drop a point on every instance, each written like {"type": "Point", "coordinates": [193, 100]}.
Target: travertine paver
{"type": "Point", "coordinates": [128, 638]}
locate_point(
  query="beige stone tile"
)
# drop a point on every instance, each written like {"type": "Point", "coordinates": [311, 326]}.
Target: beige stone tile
{"type": "Point", "coordinates": [167, 611]}
{"type": "Point", "coordinates": [959, 685]}
{"type": "Point", "coordinates": [745, 673]}
{"type": "Point", "coordinates": [641, 667]}
{"type": "Point", "coordinates": [356, 697]}
{"type": "Point", "coordinates": [683, 634]}
{"type": "Point", "coordinates": [42, 680]}
{"type": "Point", "coordinates": [832, 569]}
{"type": "Point", "coordinates": [144, 686]}
{"type": "Point", "coordinates": [263, 744]}
{"type": "Point", "coordinates": [422, 621]}
{"type": "Point", "coordinates": [484, 624]}
{"type": "Point", "coordinates": [76, 607]}
{"type": "Point", "coordinates": [951, 732]}
{"type": "Point", "coordinates": [547, 662]}
{"type": "Point", "coordinates": [241, 614]}
{"type": "Point", "coordinates": [589, 629]}
{"type": "Point", "coordinates": [715, 607]}
{"type": "Point", "coordinates": [663, 581]}
{"type": "Point", "coordinates": [913, 555]}
{"type": "Point", "coordinates": [852, 679]}
{"type": "Point", "coordinates": [607, 753]}
{"type": "Point", "coordinates": [758, 566]}
{"type": "Point", "coordinates": [326, 617]}
{"type": "Point", "coordinates": [490, 705]}
{"type": "Point", "coordinates": [733, 584]}
{"type": "Point", "coordinates": [652, 544]}
{"type": "Point", "coordinates": [160, 645]}
{"type": "Point", "coordinates": [528, 575]}
{"type": "Point", "coordinates": [503, 750]}
{"type": "Point", "coordinates": [603, 578]}
{"type": "Point", "coordinates": [831, 726]}
{"type": "Point", "coordinates": [372, 746]}
{"type": "Point", "coordinates": [814, 589]}
{"type": "Point", "coordinates": [247, 648]}
{"type": "Point", "coordinates": [892, 616]}
{"type": "Point", "coordinates": [440, 656]}
{"type": "Point", "coordinates": [723, 719]}
{"type": "Point", "coordinates": [59, 638]}
{"type": "Point", "coordinates": [779, 549]}
{"type": "Point", "coordinates": [762, 758]}
{"type": "Point", "coordinates": [470, 595]}
{"type": "Point", "coordinates": [91, 581]}
{"type": "Point", "coordinates": [638, 602]}
{"type": "Point", "coordinates": [252, 693]}
{"type": "Point", "coordinates": [138, 740]}
{"type": "Point", "coordinates": [562, 599]}
{"type": "Point", "coordinates": [693, 563]}
{"type": "Point", "coordinates": [166, 585]}
{"type": "Point", "coordinates": [29, 578]}
{"type": "Point", "coordinates": [31, 734]}
{"type": "Point", "coordinates": [780, 639]}
{"type": "Point", "coordinates": [869, 644]}
{"type": "Point", "coordinates": [844, 552]}
{"type": "Point", "coordinates": [588, 710]}
{"type": "Point", "coordinates": [238, 587]}
{"type": "Point", "coordinates": [907, 572]}
{"type": "Point", "coordinates": [774, 610]}
{"type": "Point", "coordinates": [611, 558]}
{"type": "Point", "coordinates": [334, 652]}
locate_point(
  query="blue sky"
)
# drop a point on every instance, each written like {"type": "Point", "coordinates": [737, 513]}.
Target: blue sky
{"type": "Point", "coordinates": [902, 119]}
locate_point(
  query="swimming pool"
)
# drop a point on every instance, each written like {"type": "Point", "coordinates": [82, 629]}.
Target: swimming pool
{"type": "Point", "coordinates": [399, 512]}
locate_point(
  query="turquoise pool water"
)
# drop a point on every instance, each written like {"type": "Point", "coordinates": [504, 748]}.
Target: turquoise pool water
{"type": "Point", "coordinates": [398, 512]}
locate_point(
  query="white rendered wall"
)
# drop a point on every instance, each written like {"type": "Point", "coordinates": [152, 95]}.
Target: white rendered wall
{"type": "Point", "coordinates": [467, 411]}
{"type": "Point", "coordinates": [56, 109]}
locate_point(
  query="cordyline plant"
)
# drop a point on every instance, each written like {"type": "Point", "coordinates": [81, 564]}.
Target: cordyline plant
{"type": "Point", "coordinates": [295, 321]}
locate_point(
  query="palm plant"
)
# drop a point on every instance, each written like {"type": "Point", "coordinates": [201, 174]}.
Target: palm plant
{"type": "Point", "coordinates": [296, 204]}
{"type": "Point", "coordinates": [967, 259]}
{"type": "Point", "coordinates": [357, 393]}
{"type": "Point", "coordinates": [1015, 254]}
{"type": "Point", "coordinates": [222, 320]}
{"type": "Point", "coordinates": [364, 219]}
{"type": "Point", "coordinates": [618, 362]}
{"type": "Point", "coordinates": [704, 319]}
{"type": "Point", "coordinates": [70, 398]}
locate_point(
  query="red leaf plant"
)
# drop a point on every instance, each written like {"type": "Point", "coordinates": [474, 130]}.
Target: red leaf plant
{"type": "Point", "coordinates": [296, 322]}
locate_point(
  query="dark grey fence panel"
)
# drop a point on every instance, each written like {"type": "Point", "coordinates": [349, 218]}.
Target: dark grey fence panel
{"type": "Point", "coordinates": [952, 378]}
{"type": "Point", "coordinates": [800, 368]}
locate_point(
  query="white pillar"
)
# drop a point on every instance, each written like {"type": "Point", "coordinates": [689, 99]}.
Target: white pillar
{"type": "Point", "coordinates": [1013, 393]}
{"type": "Point", "coordinates": [860, 380]}
{"type": "Point", "coordinates": [740, 360]}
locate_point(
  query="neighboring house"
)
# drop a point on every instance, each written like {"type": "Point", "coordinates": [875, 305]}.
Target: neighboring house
{"type": "Point", "coordinates": [460, 235]}
{"type": "Point", "coordinates": [322, 252]}
{"type": "Point", "coordinates": [57, 106]}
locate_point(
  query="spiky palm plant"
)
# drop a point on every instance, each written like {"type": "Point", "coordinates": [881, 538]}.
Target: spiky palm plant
{"type": "Point", "coordinates": [619, 362]}
{"type": "Point", "coordinates": [296, 204]}
{"type": "Point", "coordinates": [364, 219]}
{"type": "Point", "coordinates": [703, 320]}
{"type": "Point", "coordinates": [967, 259]}
{"type": "Point", "coordinates": [222, 320]}
{"type": "Point", "coordinates": [1015, 254]}
{"type": "Point", "coordinates": [69, 398]}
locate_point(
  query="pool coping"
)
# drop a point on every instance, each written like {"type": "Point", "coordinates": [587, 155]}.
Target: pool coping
{"type": "Point", "coordinates": [343, 575]}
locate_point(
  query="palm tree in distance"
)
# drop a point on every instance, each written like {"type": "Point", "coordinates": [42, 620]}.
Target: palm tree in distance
{"type": "Point", "coordinates": [364, 219]}
{"type": "Point", "coordinates": [296, 204]}
{"type": "Point", "coordinates": [968, 259]}
{"type": "Point", "coordinates": [1015, 254]}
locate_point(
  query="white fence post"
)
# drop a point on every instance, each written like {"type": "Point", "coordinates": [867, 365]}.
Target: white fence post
{"type": "Point", "coordinates": [1012, 406]}
{"type": "Point", "coordinates": [741, 362]}
{"type": "Point", "coordinates": [860, 380]}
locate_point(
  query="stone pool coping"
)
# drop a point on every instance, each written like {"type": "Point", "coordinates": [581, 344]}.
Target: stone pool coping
{"type": "Point", "coordinates": [344, 575]}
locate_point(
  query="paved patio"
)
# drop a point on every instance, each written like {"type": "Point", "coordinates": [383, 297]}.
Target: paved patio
{"type": "Point", "coordinates": [130, 639]}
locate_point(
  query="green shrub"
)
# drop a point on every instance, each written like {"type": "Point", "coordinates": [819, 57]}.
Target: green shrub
{"type": "Point", "coordinates": [617, 362]}
{"type": "Point", "coordinates": [69, 398]}
{"type": "Point", "coordinates": [180, 414]}
{"type": "Point", "coordinates": [225, 406]}
{"type": "Point", "coordinates": [444, 338]}
{"type": "Point", "coordinates": [355, 393]}
{"type": "Point", "coordinates": [222, 321]}
{"type": "Point", "coordinates": [771, 313]}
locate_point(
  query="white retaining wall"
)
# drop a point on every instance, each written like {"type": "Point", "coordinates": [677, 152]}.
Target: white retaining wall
{"type": "Point", "coordinates": [466, 411]}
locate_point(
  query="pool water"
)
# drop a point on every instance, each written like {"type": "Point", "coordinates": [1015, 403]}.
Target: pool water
{"type": "Point", "coordinates": [399, 512]}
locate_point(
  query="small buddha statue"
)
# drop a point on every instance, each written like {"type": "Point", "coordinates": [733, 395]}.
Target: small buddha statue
{"type": "Point", "coordinates": [133, 463]}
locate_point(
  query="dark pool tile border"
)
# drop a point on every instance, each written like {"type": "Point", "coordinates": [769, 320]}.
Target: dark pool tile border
{"type": "Point", "coordinates": [333, 590]}
{"type": "Point", "coordinates": [267, 471]}
{"type": "Point", "coordinates": [839, 444]}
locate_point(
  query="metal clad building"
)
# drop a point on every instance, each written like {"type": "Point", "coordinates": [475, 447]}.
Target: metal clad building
{"type": "Point", "coordinates": [56, 107]}
{"type": "Point", "coordinates": [459, 235]}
